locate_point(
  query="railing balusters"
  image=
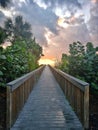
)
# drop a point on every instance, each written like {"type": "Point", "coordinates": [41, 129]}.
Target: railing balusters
{"type": "Point", "coordinates": [77, 93]}
{"type": "Point", "coordinates": [18, 92]}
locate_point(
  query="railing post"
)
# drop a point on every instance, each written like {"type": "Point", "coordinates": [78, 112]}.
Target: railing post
{"type": "Point", "coordinates": [17, 93]}
{"type": "Point", "coordinates": [77, 93]}
{"type": "Point", "coordinates": [86, 107]}
{"type": "Point", "coordinates": [9, 108]}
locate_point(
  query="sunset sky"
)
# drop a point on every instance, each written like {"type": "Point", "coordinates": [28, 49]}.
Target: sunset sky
{"type": "Point", "coordinates": [57, 23]}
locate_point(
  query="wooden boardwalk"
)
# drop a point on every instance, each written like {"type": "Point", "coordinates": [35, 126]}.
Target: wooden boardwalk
{"type": "Point", "coordinates": [47, 108]}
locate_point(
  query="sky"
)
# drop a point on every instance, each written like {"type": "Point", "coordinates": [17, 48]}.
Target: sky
{"type": "Point", "coordinates": [57, 23]}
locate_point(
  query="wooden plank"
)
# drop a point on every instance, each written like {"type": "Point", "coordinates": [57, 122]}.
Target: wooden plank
{"type": "Point", "coordinates": [77, 93]}
{"type": "Point", "coordinates": [77, 82]}
{"type": "Point", "coordinates": [16, 83]}
{"type": "Point", "coordinates": [17, 93]}
{"type": "Point", "coordinates": [9, 108]}
{"type": "Point", "coordinates": [86, 107]}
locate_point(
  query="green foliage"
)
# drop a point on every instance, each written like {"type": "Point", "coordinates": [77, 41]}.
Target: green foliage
{"type": "Point", "coordinates": [32, 61]}
{"type": "Point", "coordinates": [22, 56]}
{"type": "Point", "coordinates": [82, 63]}
{"type": "Point", "coordinates": [64, 63]}
{"type": "Point", "coordinates": [76, 58]}
{"type": "Point", "coordinates": [17, 60]}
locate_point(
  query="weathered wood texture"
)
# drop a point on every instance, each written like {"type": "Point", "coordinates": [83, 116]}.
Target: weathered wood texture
{"type": "Point", "coordinates": [18, 92]}
{"type": "Point", "coordinates": [77, 93]}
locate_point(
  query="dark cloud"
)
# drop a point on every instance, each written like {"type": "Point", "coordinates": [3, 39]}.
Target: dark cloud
{"type": "Point", "coordinates": [44, 15]}
{"type": "Point", "coordinates": [38, 18]}
{"type": "Point", "coordinates": [53, 3]}
{"type": "Point", "coordinates": [64, 5]}
{"type": "Point", "coordinates": [71, 5]}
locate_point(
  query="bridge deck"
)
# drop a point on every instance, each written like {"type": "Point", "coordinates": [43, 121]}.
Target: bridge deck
{"type": "Point", "coordinates": [47, 108]}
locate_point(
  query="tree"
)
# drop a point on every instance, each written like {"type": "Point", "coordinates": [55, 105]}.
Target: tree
{"type": "Point", "coordinates": [22, 29]}
{"type": "Point", "coordinates": [17, 60]}
{"type": "Point", "coordinates": [90, 65]}
{"type": "Point", "coordinates": [75, 58]}
{"type": "Point", "coordinates": [90, 48]}
{"type": "Point", "coordinates": [76, 49]}
{"type": "Point", "coordinates": [64, 63]}
{"type": "Point", "coordinates": [82, 62]}
{"type": "Point", "coordinates": [9, 27]}
{"type": "Point", "coordinates": [2, 35]}
{"type": "Point", "coordinates": [18, 29]}
{"type": "Point", "coordinates": [23, 55]}
{"type": "Point", "coordinates": [35, 50]}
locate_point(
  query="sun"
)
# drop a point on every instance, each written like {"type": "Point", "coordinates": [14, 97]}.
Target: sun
{"type": "Point", "coordinates": [61, 22]}
{"type": "Point", "coordinates": [46, 62]}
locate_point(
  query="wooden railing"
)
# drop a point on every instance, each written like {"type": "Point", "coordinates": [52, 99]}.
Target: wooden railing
{"type": "Point", "coordinates": [18, 92]}
{"type": "Point", "coordinates": [77, 93]}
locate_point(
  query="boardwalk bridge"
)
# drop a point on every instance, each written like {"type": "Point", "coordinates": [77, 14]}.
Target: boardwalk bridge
{"type": "Point", "coordinates": [47, 99]}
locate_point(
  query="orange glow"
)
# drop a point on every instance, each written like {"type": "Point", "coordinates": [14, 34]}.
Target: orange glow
{"type": "Point", "coordinates": [46, 62]}
{"type": "Point", "coordinates": [61, 22]}
{"type": "Point", "coordinates": [94, 1]}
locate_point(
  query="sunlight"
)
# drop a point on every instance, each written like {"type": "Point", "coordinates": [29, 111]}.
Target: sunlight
{"type": "Point", "coordinates": [61, 22]}
{"type": "Point", "coordinates": [46, 62]}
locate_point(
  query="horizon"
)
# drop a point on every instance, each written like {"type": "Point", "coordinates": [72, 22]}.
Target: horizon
{"type": "Point", "coordinates": [56, 24]}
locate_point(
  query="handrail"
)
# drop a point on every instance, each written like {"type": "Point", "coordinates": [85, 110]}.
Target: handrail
{"type": "Point", "coordinates": [18, 92]}
{"type": "Point", "coordinates": [77, 93]}
{"type": "Point", "coordinates": [16, 83]}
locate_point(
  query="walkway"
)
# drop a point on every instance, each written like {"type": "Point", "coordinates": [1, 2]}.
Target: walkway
{"type": "Point", "coordinates": [47, 108]}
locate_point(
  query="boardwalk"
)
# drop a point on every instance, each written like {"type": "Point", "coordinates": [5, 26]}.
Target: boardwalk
{"type": "Point", "coordinates": [47, 108]}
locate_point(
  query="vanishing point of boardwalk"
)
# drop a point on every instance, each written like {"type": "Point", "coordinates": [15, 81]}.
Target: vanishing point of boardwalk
{"type": "Point", "coordinates": [47, 108]}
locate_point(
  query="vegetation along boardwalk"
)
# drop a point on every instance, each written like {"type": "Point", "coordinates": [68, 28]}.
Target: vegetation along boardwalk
{"type": "Point", "coordinates": [47, 108]}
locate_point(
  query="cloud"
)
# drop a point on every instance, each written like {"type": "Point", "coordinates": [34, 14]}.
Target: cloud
{"type": "Point", "coordinates": [58, 44]}
{"type": "Point", "coordinates": [36, 16]}
{"type": "Point", "coordinates": [39, 33]}
{"type": "Point", "coordinates": [71, 21]}
{"type": "Point", "coordinates": [60, 7]}
{"type": "Point", "coordinates": [41, 4]}
{"type": "Point", "coordinates": [66, 7]}
{"type": "Point", "coordinates": [62, 22]}
{"type": "Point", "coordinates": [6, 13]}
{"type": "Point", "coordinates": [93, 24]}
{"type": "Point", "coordinates": [58, 23]}
{"type": "Point", "coordinates": [62, 2]}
